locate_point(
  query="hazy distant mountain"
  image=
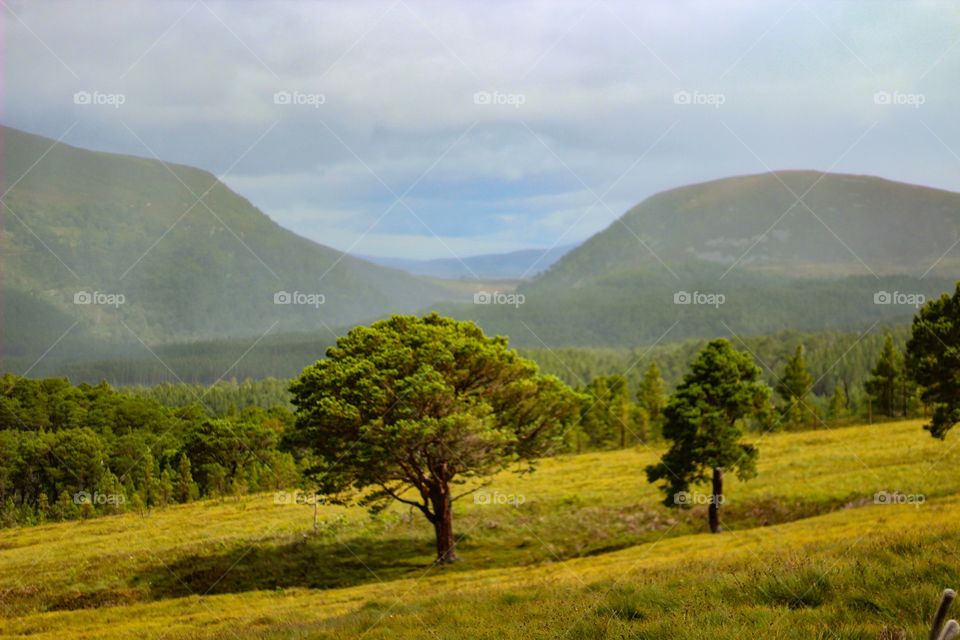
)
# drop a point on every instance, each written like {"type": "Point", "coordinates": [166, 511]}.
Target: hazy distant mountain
{"type": "Point", "coordinates": [194, 260]}
{"type": "Point", "coordinates": [513, 265]}
{"type": "Point", "coordinates": [777, 264]}
{"type": "Point", "coordinates": [191, 258]}
{"type": "Point", "coordinates": [845, 225]}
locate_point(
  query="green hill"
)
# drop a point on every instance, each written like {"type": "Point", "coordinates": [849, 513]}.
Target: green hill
{"type": "Point", "coordinates": [855, 225]}
{"type": "Point", "coordinates": [192, 258]}
{"type": "Point", "coordinates": [776, 268]}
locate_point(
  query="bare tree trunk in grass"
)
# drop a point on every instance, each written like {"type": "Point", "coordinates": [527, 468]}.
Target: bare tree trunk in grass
{"type": "Point", "coordinates": [715, 498]}
{"type": "Point", "coordinates": [443, 524]}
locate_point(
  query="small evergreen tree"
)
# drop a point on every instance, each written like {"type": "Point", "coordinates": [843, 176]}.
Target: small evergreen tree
{"type": "Point", "coordinates": [166, 487]}
{"type": "Point", "coordinates": [186, 489]}
{"type": "Point", "coordinates": [150, 487]}
{"type": "Point", "coordinates": [607, 414]}
{"type": "Point", "coordinates": [838, 403]}
{"type": "Point", "coordinates": [43, 508]}
{"type": "Point", "coordinates": [216, 480]}
{"type": "Point", "coordinates": [137, 503]}
{"type": "Point", "coordinates": [704, 422]}
{"type": "Point", "coordinates": [793, 387]}
{"type": "Point", "coordinates": [116, 497]}
{"type": "Point", "coordinates": [66, 508]}
{"type": "Point", "coordinates": [885, 383]}
{"type": "Point", "coordinates": [8, 515]}
{"type": "Point", "coordinates": [651, 395]}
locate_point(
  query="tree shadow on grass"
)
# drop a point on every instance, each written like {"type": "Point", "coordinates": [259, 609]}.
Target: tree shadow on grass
{"type": "Point", "coordinates": [327, 562]}
{"type": "Point", "coordinates": [308, 562]}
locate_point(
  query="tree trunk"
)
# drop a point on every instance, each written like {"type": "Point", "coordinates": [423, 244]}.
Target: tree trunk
{"type": "Point", "coordinates": [443, 523]}
{"type": "Point", "coordinates": [715, 498]}
{"type": "Point", "coordinates": [904, 392]}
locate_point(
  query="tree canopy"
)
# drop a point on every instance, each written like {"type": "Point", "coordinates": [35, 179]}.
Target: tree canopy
{"type": "Point", "coordinates": [406, 408]}
{"type": "Point", "coordinates": [886, 382]}
{"type": "Point", "coordinates": [704, 422]}
{"type": "Point", "coordinates": [793, 387]}
{"type": "Point", "coordinates": [933, 360]}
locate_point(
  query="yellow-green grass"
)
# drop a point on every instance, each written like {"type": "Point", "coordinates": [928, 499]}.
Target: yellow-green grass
{"type": "Point", "coordinates": [541, 569]}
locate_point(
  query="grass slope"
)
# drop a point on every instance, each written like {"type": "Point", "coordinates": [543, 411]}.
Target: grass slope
{"type": "Point", "coordinates": [588, 554]}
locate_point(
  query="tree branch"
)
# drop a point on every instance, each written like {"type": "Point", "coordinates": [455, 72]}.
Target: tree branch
{"type": "Point", "coordinates": [396, 497]}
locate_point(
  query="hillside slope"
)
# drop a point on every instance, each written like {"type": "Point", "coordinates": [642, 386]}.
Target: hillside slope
{"type": "Point", "coordinates": [854, 225]}
{"type": "Point", "coordinates": [773, 267]}
{"type": "Point", "coordinates": [586, 554]}
{"type": "Point", "coordinates": [192, 258]}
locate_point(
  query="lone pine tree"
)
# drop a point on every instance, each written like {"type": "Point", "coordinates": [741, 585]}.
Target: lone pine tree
{"type": "Point", "coordinates": [704, 423]}
{"type": "Point", "coordinates": [408, 407]}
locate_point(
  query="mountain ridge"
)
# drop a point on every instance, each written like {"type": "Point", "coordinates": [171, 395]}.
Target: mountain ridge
{"type": "Point", "coordinates": [509, 265]}
{"type": "Point", "coordinates": [658, 220]}
{"type": "Point", "coordinates": [776, 264]}
{"type": "Point", "coordinates": [100, 222]}
{"type": "Point", "coordinates": [82, 221]}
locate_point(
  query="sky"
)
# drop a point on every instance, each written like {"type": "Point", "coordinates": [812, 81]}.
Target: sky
{"type": "Point", "coordinates": [442, 129]}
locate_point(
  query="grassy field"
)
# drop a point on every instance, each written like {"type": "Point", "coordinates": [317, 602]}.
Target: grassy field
{"type": "Point", "coordinates": [584, 551]}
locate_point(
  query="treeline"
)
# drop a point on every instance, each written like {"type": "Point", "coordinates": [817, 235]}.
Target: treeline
{"type": "Point", "coordinates": [77, 451]}
{"type": "Point", "coordinates": [834, 359]}
{"type": "Point", "coordinates": [285, 356]}
{"type": "Point", "coordinates": [201, 362]}
{"type": "Point", "coordinates": [623, 385]}
{"type": "Point", "coordinates": [225, 398]}
{"type": "Point", "coordinates": [840, 378]}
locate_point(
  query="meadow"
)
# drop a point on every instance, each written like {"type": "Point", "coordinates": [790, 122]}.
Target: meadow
{"type": "Point", "coordinates": [581, 548]}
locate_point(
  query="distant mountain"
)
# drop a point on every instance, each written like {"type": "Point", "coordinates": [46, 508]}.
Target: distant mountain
{"type": "Point", "coordinates": [190, 258]}
{"type": "Point", "coordinates": [513, 265]}
{"type": "Point", "coordinates": [777, 264]}
{"type": "Point", "coordinates": [101, 251]}
{"type": "Point", "coordinates": [845, 225]}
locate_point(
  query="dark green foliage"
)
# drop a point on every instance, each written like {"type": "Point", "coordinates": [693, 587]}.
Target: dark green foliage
{"type": "Point", "coordinates": [792, 387]}
{"type": "Point", "coordinates": [832, 358]}
{"type": "Point", "coordinates": [410, 406]}
{"type": "Point", "coordinates": [933, 359]}
{"type": "Point", "coordinates": [651, 394]}
{"type": "Point", "coordinates": [844, 359]}
{"type": "Point", "coordinates": [223, 398]}
{"type": "Point", "coordinates": [839, 403]}
{"type": "Point", "coordinates": [99, 451]}
{"type": "Point", "coordinates": [704, 421]}
{"type": "Point", "coordinates": [608, 417]}
{"type": "Point", "coordinates": [886, 382]}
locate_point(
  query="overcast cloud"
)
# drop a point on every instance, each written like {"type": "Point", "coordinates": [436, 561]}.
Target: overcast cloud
{"type": "Point", "coordinates": [589, 122]}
